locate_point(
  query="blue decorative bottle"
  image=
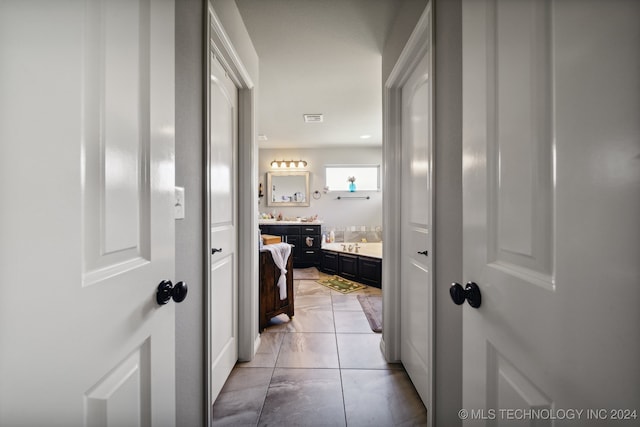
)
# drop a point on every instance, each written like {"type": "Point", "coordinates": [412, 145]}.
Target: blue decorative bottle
{"type": "Point", "coordinates": [352, 186]}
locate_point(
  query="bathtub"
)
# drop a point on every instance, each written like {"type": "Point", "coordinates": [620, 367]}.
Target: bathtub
{"type": "Point", "coordinates": [369, 249]}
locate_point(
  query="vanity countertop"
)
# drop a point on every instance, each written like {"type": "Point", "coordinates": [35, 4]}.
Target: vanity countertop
{"type": "Point", "coordinates": [276, 222]}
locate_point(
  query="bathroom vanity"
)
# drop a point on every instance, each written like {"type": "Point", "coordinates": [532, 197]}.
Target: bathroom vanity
{"type": "Point", "coordinates": [363, 267]}
{"type": "Point", "coordinates": [305, 238]}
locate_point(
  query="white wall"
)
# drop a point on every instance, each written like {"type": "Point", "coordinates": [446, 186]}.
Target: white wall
{"type": "Point", "coordinates": [448, 209]}
{"type": "Point", "coordinates": [448, 189]}
{"type": "Point", "coordinates": [340, 213]}
{"type": "Point", "coordinates": [189, 243]}
{"type": "Point", "coordinates": [190, 352]}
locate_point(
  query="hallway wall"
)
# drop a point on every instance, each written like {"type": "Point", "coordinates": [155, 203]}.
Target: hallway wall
{"type": "Point", "coordinates": [189, 231]}
{"type": "Point", "coordinates": [448, 209]}
{"type": "Point", "coordinates": [190, 17]}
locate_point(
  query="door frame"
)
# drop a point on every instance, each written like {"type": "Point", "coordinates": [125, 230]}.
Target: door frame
{"type": "Point", "coordinates": [413, 51]}
{"type": "Point", "coordinates": [218, 42]}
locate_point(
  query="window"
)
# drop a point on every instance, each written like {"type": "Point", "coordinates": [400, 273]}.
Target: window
{"type": "Point", "coordinates": [367, 177]}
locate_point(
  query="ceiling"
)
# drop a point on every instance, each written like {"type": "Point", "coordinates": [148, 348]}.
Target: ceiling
{"type": "Point", "coordinates": [319, 56]}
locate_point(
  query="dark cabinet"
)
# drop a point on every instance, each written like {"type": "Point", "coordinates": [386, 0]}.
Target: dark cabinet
{"type": "Point", "coordinates": [293, 239]}
{"type": "Point", "coordinates": [359, 268]}
{"type": "Point", "coordinates": [348, 266]}
{"type": "Point", "coordinates": [305, 238]}
{"type": "Point", "coordinates": [270, 303]}
{"type": "Point", "coordinates": [329, 262]}
{"type": "Point", "coordinates": [370, 271]}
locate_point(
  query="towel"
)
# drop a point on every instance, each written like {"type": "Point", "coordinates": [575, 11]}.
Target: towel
{"type": "Point", "coordinates": [280, 253]}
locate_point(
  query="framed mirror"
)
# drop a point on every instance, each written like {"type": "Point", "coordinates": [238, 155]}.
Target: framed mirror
{"type": "Point", "coordinates": [288, 188]}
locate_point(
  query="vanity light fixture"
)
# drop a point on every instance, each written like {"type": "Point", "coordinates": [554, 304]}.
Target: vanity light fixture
{"type": "Point", "coordinates": [288, 164]}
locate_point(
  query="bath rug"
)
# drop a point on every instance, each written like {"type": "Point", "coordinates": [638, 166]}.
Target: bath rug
{"type": "Point", "coordinates": [372, 307]}
{"type": "Point", "coordinates": [310, 273]}
{"type": "Point", "coordinates": [339, 284]}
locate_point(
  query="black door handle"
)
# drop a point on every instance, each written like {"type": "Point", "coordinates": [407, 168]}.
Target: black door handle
{"type": "Point", "coordinates": [471, 293]}
{"type": "Point", "coordinates": [214, 250]}
{"type": "Point", "coordinates": [166, 291]}
{"type": "Point", "coordinates": [425, 253]}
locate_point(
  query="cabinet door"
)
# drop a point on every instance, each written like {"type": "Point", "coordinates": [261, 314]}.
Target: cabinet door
{"type": "Point", "coordinates": [310, 256]}
{"type": "Point", "coordinates": [348, 266]}
{"type": "Point", "coordinates": [296, 242]}
{"type": "Point", "coordinates": [329, 262]}
{"type": "Point", "coordinates": [370, 271]}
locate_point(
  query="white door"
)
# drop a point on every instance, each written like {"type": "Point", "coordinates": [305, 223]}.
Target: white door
{"type": "Point", "coordinates": [416, 226]}
{"type": "Point", "coordinates": [551, 207]}
{"type": "Point", "coordinates": [223, 295]}
{"type": "Point", "coordinates": [87, 183]}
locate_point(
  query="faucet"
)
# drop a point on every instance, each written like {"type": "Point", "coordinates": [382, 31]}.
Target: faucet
{"type": "Point", "coordinates": [350, 248]}
{"type": "Point", "coordinates": [357, 248]}
{"type": "Point", "coordinates": [344, 247]}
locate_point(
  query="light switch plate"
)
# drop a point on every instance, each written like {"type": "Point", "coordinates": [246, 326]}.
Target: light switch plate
{"type": "Point", "coordinates": [179, 203]}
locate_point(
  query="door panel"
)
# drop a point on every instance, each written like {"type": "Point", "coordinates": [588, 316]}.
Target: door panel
{"type": "Point", "coordinates": [222, 207]}
{"type": "Point", "coordinates": [109, 403]}
{"type": "Point", "coordinates": [543, 234]}
{"type": "Point", "coordinates": [520, 139]}
{"type": "Point", "coordinates": [416, 317]}
{"type": "Point", "coordinates": [116, 110]}
{"type": "Point", "coordinates": [90, 118]}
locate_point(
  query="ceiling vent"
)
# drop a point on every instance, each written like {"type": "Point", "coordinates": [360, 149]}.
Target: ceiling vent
{"type": "Point", "coordinates": [262, 137]}
{"type": "Point", "coordinates": [313, 118]}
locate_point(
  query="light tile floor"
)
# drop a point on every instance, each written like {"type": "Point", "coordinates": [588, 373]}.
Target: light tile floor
{"type": "Point", "coordinates": [324, 367]}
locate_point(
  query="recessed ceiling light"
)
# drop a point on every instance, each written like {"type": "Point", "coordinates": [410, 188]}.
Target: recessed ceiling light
{"type": "Point", "coordinates": [313, 118]}
{"type": "Point", "coordinates": [365, 136]}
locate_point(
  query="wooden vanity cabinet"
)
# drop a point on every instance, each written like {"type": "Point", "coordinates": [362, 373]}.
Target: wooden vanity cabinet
{"type": "Point", "coordinates": [270, 303]}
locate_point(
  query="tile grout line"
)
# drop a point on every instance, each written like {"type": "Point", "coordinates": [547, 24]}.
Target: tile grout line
{"type": "Point", "coordinates": [273, 371]}
{"type": "Point", "coordinates": [335, 331]}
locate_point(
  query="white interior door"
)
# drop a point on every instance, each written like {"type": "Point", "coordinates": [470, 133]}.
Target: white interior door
{"type": "Point", "coordinates": [416, 226]}
{"type": "Point", "coordinates": [551, 208]}
{"type": "Point", "coordinates": [223, 289]}
{"type": "Point", "coordinates": [86, 154]}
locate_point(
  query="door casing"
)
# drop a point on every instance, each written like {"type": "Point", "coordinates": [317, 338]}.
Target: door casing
{"type": "Point", "coordinates": [420, 43]}
{"type": "Point", "coordinates": [219, 43]}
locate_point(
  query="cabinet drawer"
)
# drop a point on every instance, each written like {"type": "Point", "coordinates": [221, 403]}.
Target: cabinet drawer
{"type": "Point", "coordinates": [285, 229]}
{"type": "Point", "coordinates": [309, 255]}
{"type": "Point", "coordinates": [309, 229]}
{"type": "Point", "coordinates": [310, 242]}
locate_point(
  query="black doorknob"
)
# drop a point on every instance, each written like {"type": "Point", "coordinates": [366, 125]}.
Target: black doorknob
{"type": "Point", "coordinates": [471, 293]}
{"type": "Point", "coordinates": [425, 253]}
{"type": "Point", "coordinates": [214, 250]}
{"type": "Point", "coordinates": [166, 291]}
